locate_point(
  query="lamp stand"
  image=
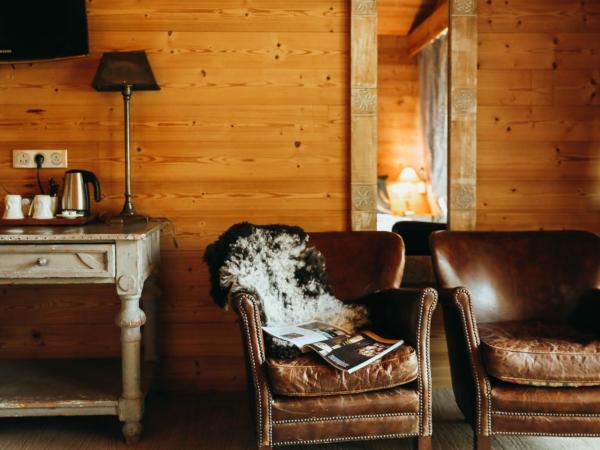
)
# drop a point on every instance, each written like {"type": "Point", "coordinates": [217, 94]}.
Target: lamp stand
{"type": "Point", "coordinates": [127, 214]}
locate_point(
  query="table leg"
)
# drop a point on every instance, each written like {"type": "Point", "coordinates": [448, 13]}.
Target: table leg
{"type": "Point", "coordinates": [130, 319]}
{"type": "Point", "coordinates": [150, 295]}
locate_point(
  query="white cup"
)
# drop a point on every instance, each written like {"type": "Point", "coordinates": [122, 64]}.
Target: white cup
{"type": "Point", "coordinates": [42, 207]}
{"type": "Point", "coordinates": [12, 207]}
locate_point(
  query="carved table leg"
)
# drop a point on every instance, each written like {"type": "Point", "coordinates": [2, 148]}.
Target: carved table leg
{"type": "Point", "coordinates": [136, 260]}
{"type": "Point", "coordinates": [150, 295]}
{"type": "Point", "coordinates": [130, 319]}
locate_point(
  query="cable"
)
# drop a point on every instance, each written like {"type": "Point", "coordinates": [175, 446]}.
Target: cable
{"type": "Point", "coordinates": [39, 161]}
{"type": "Point", "coordinates": [39, 182]}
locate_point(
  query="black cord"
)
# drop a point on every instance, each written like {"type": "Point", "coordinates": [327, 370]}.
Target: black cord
{"type": "Point", "coordinates": [37, 174]}
{"type": "Point", "coordinates": [39, 160]}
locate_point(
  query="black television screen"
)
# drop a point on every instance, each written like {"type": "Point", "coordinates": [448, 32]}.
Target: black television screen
{"type": "Point", "coordinates": [42, 29]}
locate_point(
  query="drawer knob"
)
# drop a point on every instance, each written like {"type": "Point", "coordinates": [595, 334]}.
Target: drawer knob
{"type": "Point", "coordinates": [42, 261]}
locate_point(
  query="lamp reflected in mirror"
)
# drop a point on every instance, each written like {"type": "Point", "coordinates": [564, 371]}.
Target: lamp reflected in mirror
{"type": "Point", "coordinates": [408, 195]}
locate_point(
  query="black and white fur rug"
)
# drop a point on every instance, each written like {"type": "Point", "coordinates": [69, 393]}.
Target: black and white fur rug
{"type": "Point", "coordinates": [288, 276]}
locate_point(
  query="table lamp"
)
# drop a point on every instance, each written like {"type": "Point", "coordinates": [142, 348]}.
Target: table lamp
{"type": "Point", "coordinates": [405, 191]}
{"type": "Point", "coordinates": [125, 72]}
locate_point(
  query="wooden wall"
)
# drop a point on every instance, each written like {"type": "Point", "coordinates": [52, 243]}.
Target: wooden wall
{"type": "Point", "coordinates": [399, 135]}
{"type": "Point", "coordinates": [539, 115]}
{"type": "Point", "coordinates": [251, 124]}
{"type": "Point", "coordinates": [399, 17]}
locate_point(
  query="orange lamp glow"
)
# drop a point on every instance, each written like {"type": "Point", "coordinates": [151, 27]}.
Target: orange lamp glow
{"type": "Point", "coordinates": [406, 192]}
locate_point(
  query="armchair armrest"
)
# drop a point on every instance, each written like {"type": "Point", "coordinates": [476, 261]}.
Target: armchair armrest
{"type": "Point", "coordinates": [470, 382]}
{"type": "Point", "coordinates": [588, 310]}
{"type": "Point", "coordinates": [406, 314]}
{"type": "Point", "coordinates": [245, 304]}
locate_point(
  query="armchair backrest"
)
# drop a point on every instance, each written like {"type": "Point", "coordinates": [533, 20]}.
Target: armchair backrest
{"type": "Point", "coordinates": [519, 275]}
{"type": "Point", "coordinates": [361, 262]}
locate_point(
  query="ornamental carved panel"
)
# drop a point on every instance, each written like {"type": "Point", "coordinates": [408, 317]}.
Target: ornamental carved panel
{"type": "Point", "coordinates": [463, 196]}
{"type": "Point", "coordinates": [364, 101]}
{"type": "Point", "coordinates": [364, 7]}
{"type": "Point", "coordinates": [363, 197]}
{"type": "Point", "coordinates": [464, 101]}
{"type": "Point", "coordinates": [463, 7]}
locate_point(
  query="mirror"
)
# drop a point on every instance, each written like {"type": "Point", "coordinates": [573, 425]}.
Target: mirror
{"type": "Point", "coordinates": [412, 163]}
{"type": "Point", "coordinates": [405, 172]}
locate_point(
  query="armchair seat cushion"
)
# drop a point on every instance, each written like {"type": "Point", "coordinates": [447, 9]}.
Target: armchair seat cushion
{"type": "Point", "coordinates": [541, 353]}
{"type": "Point", "coordinates": [308, 375]}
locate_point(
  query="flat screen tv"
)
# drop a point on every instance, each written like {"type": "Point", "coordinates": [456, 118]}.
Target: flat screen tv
{"type": "Point", "coordinates": [32, 30]}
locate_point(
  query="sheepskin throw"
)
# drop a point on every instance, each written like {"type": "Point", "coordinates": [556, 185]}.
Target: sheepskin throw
{"type": "Point", "coordinates": [288, 276]}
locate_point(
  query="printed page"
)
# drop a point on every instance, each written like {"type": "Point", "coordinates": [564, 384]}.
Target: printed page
{"type": "Point", "coordinates": [306, 333]}
{"type": "Point", "coordinates": [351, 353]}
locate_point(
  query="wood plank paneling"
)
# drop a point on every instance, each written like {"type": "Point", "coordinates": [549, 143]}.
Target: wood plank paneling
{"type": "Point", "coordinates": [538, 158]}
{"type": "Point", "coordinates": [220, 15]}
{"type": "Point", "coordinates": [532, 16]}
{"type": "Point", "coordinates": [399, 17]}
{"type": "Point", "coordinates": [252, 123]}
{"type": "Point", "coordinates": [429, 29]}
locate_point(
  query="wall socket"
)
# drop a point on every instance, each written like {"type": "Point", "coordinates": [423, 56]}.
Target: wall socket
{"type": "Point", "coordinates": [53, 159]}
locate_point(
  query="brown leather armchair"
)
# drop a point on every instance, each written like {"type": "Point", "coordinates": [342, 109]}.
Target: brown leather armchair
{"type": "Point", "coordinates": [522, 315]}
{"type": "Point", "coordinates": [305, 401]}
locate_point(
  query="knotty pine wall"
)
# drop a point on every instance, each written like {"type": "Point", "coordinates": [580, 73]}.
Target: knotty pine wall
{"type": "Point", "coordinates": [247, 129]}
{"type": "Point", "coordinates": [539, 114]}
{"type": "Point", "coordinates": [251, 123]}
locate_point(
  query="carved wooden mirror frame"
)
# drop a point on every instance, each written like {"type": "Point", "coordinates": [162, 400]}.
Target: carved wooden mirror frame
{"type": "Point", "coordinates": [363, 115]}
{"type": "Point", "coordinates": [462, 115]}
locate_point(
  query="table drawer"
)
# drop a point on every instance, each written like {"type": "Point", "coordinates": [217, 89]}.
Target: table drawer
{"type": "Point", "coordinates": [57, 261]}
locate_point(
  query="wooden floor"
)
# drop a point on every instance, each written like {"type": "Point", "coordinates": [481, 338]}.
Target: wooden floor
{"type": "Point", "coordinates": [222, 421]}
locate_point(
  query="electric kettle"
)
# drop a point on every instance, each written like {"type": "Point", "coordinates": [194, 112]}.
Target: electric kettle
{"type": "Point", "coordinates": [76, 197]}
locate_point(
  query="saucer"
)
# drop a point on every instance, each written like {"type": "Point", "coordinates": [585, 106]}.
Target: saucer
{"type": "Point", "coordinates": [70, 216]}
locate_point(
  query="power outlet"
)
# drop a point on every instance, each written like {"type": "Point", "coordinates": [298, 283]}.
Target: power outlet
{"type": "Point", "coordinates": [53, 159]}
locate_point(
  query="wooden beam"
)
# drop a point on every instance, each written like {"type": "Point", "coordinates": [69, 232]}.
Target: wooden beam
{"type": "Point", "coordinates": [363, 115]}
{"type": "Point", "coordinates": [429, 29]}
{"type": "Point", "coordinates": [462, 101]}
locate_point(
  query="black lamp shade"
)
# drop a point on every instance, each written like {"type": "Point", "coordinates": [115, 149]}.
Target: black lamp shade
{"type": "Point", "coordinates": [119, 69]}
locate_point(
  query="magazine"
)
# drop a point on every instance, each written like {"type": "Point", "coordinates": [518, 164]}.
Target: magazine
{"type": "Point", "coordinates": [348, 352]}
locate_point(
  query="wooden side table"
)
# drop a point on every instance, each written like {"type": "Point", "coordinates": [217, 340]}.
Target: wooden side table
{"type": "Point", "coordinates": [126, 256]}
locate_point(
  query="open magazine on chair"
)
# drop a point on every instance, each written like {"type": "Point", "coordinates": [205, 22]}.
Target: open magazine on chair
{"type": "Point", "coordinates": [344, 351]}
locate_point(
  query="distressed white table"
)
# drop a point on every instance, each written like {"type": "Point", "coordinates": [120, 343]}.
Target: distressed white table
{"type": "Point", "coordinates": [126, 256]}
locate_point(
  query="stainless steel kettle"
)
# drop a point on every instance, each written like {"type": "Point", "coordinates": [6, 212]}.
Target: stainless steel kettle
{"type": "Point", "coordinates": [76, 196]}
